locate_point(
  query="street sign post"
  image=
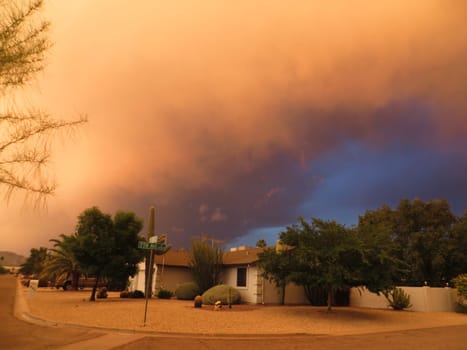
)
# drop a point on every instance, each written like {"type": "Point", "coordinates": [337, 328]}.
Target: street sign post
{"type": "Point", "coordinates": [153, 244]}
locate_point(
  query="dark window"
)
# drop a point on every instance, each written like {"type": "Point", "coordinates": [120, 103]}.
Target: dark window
{"type": "Point", "coordinates": [241, 277]}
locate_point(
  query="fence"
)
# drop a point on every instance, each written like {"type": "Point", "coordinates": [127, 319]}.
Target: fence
{"type": "Point", "coordinates": [425, 299]}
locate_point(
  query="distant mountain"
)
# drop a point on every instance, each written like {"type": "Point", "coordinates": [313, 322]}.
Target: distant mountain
{"type": "Point", "coordinates": [11, 259]}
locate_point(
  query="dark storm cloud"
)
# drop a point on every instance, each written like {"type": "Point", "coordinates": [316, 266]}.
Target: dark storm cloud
{"type": "Point", "coordinates": [231, 117]}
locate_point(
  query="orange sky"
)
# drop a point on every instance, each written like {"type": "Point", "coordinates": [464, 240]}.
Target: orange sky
{"type": "Point", "coordinates": [193, 95]}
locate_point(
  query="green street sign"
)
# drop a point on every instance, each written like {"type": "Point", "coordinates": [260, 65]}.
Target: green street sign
{"type": "Point", "coordinates": [146, 245]}
{"type": "Point", "coordinates": [149, 245]}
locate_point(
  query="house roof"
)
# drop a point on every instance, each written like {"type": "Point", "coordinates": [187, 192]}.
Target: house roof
{"type": "Point", "coordinates": [181, 258]}
{"type": "Point", "coordinates": [243, 256]}
{"type": "Point", "coordinates": [178, 258]}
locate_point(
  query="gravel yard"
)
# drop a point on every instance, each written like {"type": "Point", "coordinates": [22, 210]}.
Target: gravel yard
{"type": "Point", "coordinates": [177, 316]}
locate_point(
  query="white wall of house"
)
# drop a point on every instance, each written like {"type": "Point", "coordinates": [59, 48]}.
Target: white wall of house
{"type": "Point", "coordinates": [259, 290]}
{"type": "Point", "coordinates": [249, 293]}
{"type": "Point", "coordinates": [138, 281]}
{"type": "Point", "coordinates": [425, 299]}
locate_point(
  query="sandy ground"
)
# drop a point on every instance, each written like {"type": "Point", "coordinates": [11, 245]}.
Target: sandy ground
{"type": "Point", "coordinates": [176, 316]}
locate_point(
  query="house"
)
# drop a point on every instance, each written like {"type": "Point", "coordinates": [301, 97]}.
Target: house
{"type": "Point", "coordinates": [171, 270]}
{"type": "Point", "coordinates": [240, 270]}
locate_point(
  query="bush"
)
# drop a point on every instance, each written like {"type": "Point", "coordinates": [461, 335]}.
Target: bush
{"type": "Point", "coordinates": [187, 291]}
{"type": "Point", "coordinates": [134, 295]}
{"type": "Point", "coordinates": [3, 270]}
{"type": "Point", "coordinates": [125, 294]}
{"type": "Point", "coordinates": [461, 308]}
{"type": "Point", "coordinates": [102, 293]}
{"type": "Point", "coordinates": [164, 294]}
{"type": "Point", "coordinates": [222, 292]}
{"type": "Point", "coordinates": [137, 294]}
{"type": "Point", "coordinates": [398, 299]}
{"type": "Point", "coordinates": [461, 285]}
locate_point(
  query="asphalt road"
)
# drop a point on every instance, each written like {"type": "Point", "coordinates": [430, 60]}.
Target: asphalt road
{"type": "Point", "coordinates": [18, 334]}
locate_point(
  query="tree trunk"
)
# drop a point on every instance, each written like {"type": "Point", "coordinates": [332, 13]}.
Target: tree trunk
{"type": "Point", "coordinates": [75, 280]}
{"type": "Point", "coordinates": [329, 299]}
{"type": "Point", "coordinates": [94, 289]}
{"type": "Point", "coordinates": [283, 294]}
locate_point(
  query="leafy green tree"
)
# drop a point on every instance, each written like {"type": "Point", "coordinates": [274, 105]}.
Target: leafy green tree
{"type": "Point", "coordinates": [106, 247]}
{"type": "Point", "coordinates": [277, 267]}
{"type": "Point", "coordinates": [261, 243]}
{"type": "Point", "coordinates": [206, 263]}
{"type": "Point", "coordinates": [61, 262]}
{"type": "Point", "coordinates": [126, 255]}
{"type": "Point", "coordinates": [455, 255]}
{"type": "Point", "coordinates": [328, 255]}
{"type": "Point", "coordinates": [381, 270]}
{"type": "Point", "coordinates": [427, 236]}
{"type": "Point", "coordinates": [34, 264]}
{"type": "Point", "coordinates": [25, 137]}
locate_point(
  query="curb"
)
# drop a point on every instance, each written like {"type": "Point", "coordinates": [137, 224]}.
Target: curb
{"type": "Point", "coordinates": [22, 312]}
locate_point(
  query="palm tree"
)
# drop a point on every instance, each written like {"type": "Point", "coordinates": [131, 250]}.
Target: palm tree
{"type": "Point", "coordinates": [61, 261]}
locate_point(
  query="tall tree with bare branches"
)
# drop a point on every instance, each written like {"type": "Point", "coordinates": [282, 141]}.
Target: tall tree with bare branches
{"type": "Point", "coordinates": [25, 135]}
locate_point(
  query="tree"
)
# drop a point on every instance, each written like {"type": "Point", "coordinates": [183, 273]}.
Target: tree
{"type": "Point", "coordinates": [277, 267]}
{"type": "Point", "coordinates": [34, 264]}
{"type": "Point", "coordinates": [107, 248]}
{"type": "Point", "coordinates": [206, 263]}
{"type": "Point", "coordinates": [25, 137]}
{"type": "Point", "coordinates": [261, 243]}
{"type": "Point", "coordinates": [456, 249]}
{"type": "Point", "coordinates": [61, 262]}
{"type": "Point", "coordinates": [126, 256]}
{"type": "Point", "coordinates": [328, 255]}
{"type": "Point", "coordinates": [426, 238]}
{"type": "Point", "coordinates": [380, 270]}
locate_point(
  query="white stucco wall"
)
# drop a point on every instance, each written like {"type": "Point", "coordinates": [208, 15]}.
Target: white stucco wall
{"type": "Point", "coordinates": [424, 299]}
{"type": "Point", "coordinates": [137, 282]}
{"type": "Point", "coordinates": [250, 293]}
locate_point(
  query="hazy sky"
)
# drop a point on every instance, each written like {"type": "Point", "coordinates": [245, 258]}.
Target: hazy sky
{"type": "Point", "coordinates": [235, 117]}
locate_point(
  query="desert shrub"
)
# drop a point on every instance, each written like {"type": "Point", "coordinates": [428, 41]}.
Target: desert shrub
{"type": "Point", "coordinates": [164, 294]}
{"type": "Point", "coordinates": [137, 294]}
{"type": "Point", "coordinates": [398, 299]}
{"type": "Point", "coordinates": [461, 308]}
{"type": "Point", "coordinates": [198, 301]}
{"type": "Point", "coordinates": [125, 294]}
{"type": "Point", "coordinates": [221, 292]}
{"type": "Point", "coordinates": [187, 291]}
{"type": "Point", "coordinates": [461, 285]}
{"type": "Point", "coordinates": [102, 293]}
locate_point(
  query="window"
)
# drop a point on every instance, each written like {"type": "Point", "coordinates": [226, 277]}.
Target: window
{"type": "Point", "coordinates": [241, 277]}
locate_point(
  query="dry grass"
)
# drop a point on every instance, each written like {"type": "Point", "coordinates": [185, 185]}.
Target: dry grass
{"type": "Point", "coordinates": [181, 317]}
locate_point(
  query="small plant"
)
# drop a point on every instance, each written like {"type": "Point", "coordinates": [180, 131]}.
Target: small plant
{"type": "Point", "coordinates": [461, 285]}
{"type": "Point", "coordinates": [125, 294]}
{"type": "Point", "coordinates": [137, 294]}
{"type": "Point", "coordinates": [102, 293]}
{"type": "Point", "coordinates": [198, 301]}
{"type": "Point", "coordinates": [164, 294]}
{"type": "Point", "coordinates": [187, 291]}
{"type": "Point", "coordinates": [398, 299]}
